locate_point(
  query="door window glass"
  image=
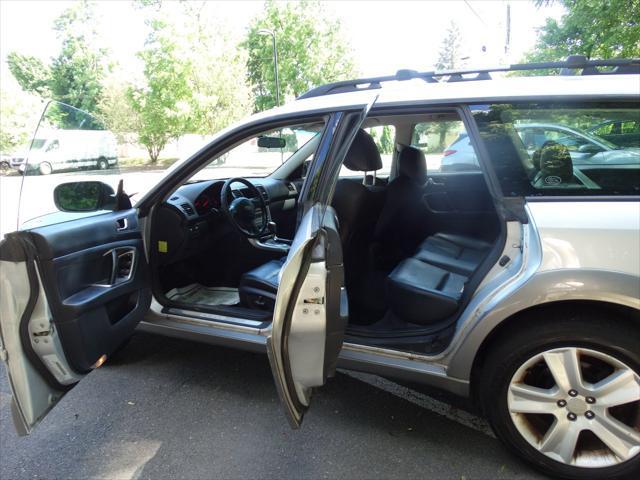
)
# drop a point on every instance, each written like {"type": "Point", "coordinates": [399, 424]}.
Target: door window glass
{"type": "Point", "coordinates": [550, 149]}
{"type": "Point", "coordinates": [446, 146]}
{"type": "Point", "coordinates": [69, 147]}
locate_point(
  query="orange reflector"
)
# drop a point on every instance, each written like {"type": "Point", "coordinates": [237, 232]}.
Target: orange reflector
{"type": "Point", "coordinates": [100, 361]}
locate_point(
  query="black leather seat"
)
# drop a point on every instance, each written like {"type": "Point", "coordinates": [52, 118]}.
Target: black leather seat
{"type": "Point", "coordinates": [259, 287]}
{"type": "Point", "coordinates": [356, 203]}
{"type": "Point", "coordinates": [456, 253]}
{"type": "Point", "coordinates": [398, 230]}
{"type": "Point", "coordinates": [423, 294]}
{"type": "Point", "coordinates": [355, 206]}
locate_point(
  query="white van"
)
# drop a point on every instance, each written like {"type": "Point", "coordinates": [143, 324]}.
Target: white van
{"type": "Point", "coordinates": [69, 150]}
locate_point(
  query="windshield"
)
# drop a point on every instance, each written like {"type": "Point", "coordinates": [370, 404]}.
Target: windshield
{"type": "Point", "coordinates": [36, 144]}
{"type": "Point", "coordinates": [262, 154]}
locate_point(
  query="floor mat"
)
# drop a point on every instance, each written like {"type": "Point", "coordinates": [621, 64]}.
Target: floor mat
{"type": "Point", "coordinates": [201, 295]}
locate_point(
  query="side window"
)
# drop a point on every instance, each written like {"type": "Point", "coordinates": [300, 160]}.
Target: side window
{"type": "Point", "coordinates": [385, 138]}
{"type": "Point", "coordinates": [552, 149]}
{"type": "Point", "coordinates": [53, 146]}
{"type": "Point", "coordinates": [446, 145]}
{"type": "Point", "coordinates": [69, 170]}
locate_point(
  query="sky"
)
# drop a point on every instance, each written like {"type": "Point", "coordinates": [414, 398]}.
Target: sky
{"type": "Point", "coordinates": [385, 35]}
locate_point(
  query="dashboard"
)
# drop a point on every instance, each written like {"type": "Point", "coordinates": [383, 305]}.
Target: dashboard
{"type": "Point", "coordinates": [191, 220]}
{"type": "Point", "coordinates": [200, 199]}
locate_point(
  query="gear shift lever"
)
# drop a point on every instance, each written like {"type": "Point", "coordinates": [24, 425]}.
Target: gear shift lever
{"type": "Point", "coordinates": [271, 226]}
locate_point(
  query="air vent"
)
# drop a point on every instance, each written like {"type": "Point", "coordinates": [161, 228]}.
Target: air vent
{"type": "Point", "coordinates": [188, 209]}
{"type": "Point", "coordinates": [292, 187]}
{"type": "Point", "coordinates": [263, 192]}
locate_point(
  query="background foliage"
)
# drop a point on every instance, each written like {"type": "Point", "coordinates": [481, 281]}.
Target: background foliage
{"type": "Point", "coordinates": [311, 51]}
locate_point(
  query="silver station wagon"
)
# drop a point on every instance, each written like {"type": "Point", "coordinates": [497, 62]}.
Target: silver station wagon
{"type": "Point", "coordinates": [299, 234]}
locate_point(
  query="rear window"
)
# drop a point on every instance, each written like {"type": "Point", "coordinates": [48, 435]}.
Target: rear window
{"type": "Point", "coordinates": [555, 149]}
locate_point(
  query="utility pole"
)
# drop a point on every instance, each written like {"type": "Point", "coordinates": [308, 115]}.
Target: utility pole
{"type": "Point", "coordinates": [507, 43]}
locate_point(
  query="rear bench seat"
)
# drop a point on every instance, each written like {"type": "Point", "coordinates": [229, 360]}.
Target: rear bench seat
{"type": "Point", "coordinates": [428, 287]}
{"type": "Point", "coordinates": [452, 252]}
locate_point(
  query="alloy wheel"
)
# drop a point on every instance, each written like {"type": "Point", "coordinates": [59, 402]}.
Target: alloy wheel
{"type": "Point", "coordinates": [578, 406]}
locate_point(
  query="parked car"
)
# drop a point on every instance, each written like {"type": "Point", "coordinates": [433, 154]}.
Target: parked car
{"type": "Point", "coordinates": [68, 150]}
{"type": "Point", "coordinates": [516, 285]}
{"type": "Point", "coordinates": [622, 132]}
{"type": "Point", "coordinates": [585, 148]}
{"type": "Point", "coordinates": [5, 164]}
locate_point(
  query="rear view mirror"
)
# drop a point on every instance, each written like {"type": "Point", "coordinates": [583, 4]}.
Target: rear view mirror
{"type": "Point", "coordinates": [84, 197]}
{"type": "Point", "coordinates": [271, 142]}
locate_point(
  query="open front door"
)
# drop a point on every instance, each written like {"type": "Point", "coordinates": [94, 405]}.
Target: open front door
{"type": "Point", "coordinates": [311, 309]}
{"type": "Point", "coordinates": [74, 281]}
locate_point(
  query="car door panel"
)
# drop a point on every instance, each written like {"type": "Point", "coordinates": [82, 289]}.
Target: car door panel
{"type": "Point", "coordinates": [458, 202]}
{"type": "Point", "coordinates": [311, 310]}
{"type": "Point", "coordinates": [67, 306]}
{"type": "Point", "coordinates": [310, 314]}
{"type": "Point", "coordinates": [93, 312]}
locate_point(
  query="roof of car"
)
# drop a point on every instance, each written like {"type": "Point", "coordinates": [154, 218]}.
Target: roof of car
{"type": "Point", "coordinates": [480, 91]}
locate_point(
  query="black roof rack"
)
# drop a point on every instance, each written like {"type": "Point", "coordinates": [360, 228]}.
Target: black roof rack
{"type": "Point", "coordinates": [567, 67]}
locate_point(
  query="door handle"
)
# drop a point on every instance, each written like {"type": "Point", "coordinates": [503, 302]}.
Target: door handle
{"type": "Point", "coordinates": [123, 262]}
{"type": "Point", "coordinates": [121, 224]}
{"type": "Point", "coordinates": [432, 183]}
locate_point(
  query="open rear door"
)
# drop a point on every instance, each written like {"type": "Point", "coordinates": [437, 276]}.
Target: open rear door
{"type": "Point", "coordinates": [74, 280]}
{"type": "Point", "coordinates": [311, 309]}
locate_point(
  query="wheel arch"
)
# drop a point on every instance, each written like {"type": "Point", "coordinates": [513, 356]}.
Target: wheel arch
{"type": "Point", "coordinates": [622, 313]}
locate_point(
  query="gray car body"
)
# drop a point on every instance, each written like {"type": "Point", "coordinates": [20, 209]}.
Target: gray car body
{"type": "Point", "coordinates": [565, 254]}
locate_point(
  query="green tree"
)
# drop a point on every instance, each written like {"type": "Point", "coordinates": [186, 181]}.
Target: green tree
{"type": "Point", "coordinates": [162, 104]}
{"type": "Point", "coordinates": [74, 76]}
{"type": "Point", "coordinates": [311, 51]}
{"type": "Point", "coordinates": [79, 68]}
{"type": "Point", "coordinates": [30, 72]}
{"type": "Point", "coordinates": [19, 114]}
{"type": "Point", "coordinates": [386, 140]}
{"type": "Point", "coordinates": [115, 107]}
{"type": "Point", "coordinates": [216, 99]}
{"type": "Point", "coordinates": [450, 53]}
{"type": "Point", "coordinates": [594, 28]}
{"type": "Point", "coordinates": [194, 76]}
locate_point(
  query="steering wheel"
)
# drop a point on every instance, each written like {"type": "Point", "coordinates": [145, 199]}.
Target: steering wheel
{"type": "Point", "coordinates": [242, 211]}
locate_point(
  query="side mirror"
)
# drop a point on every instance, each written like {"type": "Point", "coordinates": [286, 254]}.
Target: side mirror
{"type": "Point", "coordinates": [271, 142]}
{"type": "Point", "coordinates": [589, 148]}
{"type": "Point", "coordinates": [84, 197]}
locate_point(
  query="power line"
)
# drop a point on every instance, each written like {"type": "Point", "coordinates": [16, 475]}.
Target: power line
{"type": "Point", "coordinates": [475, 13]}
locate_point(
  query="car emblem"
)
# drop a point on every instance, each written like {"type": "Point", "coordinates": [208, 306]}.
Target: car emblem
{"type": "Point", "coordinates": [552, 180]}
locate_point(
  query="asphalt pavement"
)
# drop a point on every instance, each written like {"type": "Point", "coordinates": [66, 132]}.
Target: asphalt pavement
{"type": "Point", "coordinates": [166, 408]}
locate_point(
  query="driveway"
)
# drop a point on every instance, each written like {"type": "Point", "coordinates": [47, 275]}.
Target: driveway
{"type": "Point", "coordinates": [165, 408]}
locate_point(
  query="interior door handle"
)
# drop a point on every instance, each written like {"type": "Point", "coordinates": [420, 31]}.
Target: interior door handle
{"type": "Point", "coordinates": [123, 263]}
{"type": "Point", "coordinates": [432, 183]}
{"type": "Point", "coordinates": [121, 224]}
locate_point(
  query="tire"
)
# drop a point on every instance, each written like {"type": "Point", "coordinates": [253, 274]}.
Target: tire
{"type": "Point", "coordinates": [600, 346]}
{"type": "Point", "coordinates": [45, 168]}
{"type": "Point", "coordinates": [103, 164]}
{"type": "Point", "coordinates": [4, 168]}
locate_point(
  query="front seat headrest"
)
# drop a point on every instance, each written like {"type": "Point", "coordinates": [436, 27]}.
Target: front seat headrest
{"type": "Point", "coordinates": [363, 155]}
{"type": "Point", "coordinates": [412, 164]}
{"type": "Point", "coordinates": [556, 166]}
